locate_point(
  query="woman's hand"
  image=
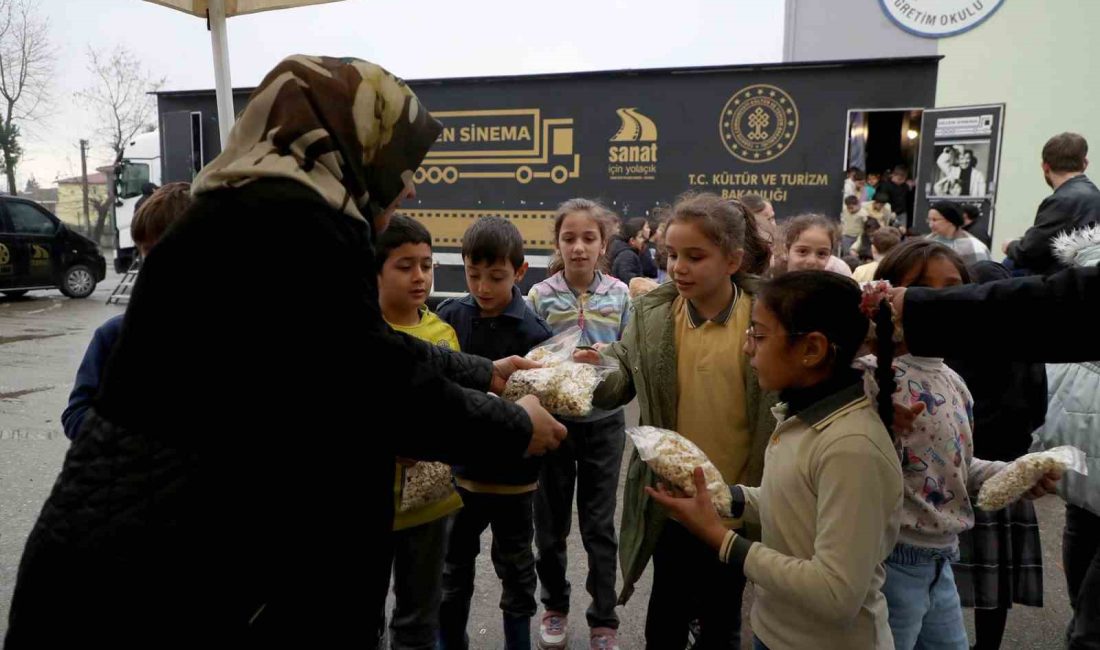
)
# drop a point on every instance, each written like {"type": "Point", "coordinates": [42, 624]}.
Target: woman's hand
{"type": "Point", "coordinates": [547, 433]}
{"type": "Point", "coordinates": [503, 369]}
{"type": "Point", "coordinates": [1046, 485]}
{"type": "Point", "coordinates": [696, 513]}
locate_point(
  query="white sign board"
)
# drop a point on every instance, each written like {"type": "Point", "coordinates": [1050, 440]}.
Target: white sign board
{"type": "Point", "coordinates": [939, 18]}
{"type": "Point", "coordinates": [962, 127]}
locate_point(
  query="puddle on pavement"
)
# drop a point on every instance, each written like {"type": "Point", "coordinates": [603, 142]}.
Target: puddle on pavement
{"type": "Point", "coordinates": [20, 393]}
{"type": "Point", "coordinates": [26, 337]}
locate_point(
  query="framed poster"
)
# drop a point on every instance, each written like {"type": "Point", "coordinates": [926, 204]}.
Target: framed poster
{"type": "Point", "coordinates": [959, 160]}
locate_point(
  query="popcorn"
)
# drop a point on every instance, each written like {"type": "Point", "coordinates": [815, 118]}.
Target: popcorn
{"type": "Point", "coordinates": [1014, 481]}
{"type": "Point", "coordinates": [563, 388]}
{"type": "Point", "coordinates": [425, 483]}
{"type": "Point", "coordinates": [674, 458]}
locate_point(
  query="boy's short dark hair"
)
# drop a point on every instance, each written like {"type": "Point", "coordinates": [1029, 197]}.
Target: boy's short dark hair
{"type": "Point", "coordinates": [159, 212]}
{"type": "Point", "coordinates": [1066, 152]}
{"type": "Point", "coordinates": [491, 239]}
{"type": "Point", "coordinates": [885, 239]}
{"type": "Point", "coordinates": [858, 175]}
{"type": "Point", "coordinates": [851, 199]}
{"type": "Point", "coordinates": [402, 230]}
{"type": "Point", "coordinates": [971, 210]}
{"type": "Point", "coordinates": [632, 227]}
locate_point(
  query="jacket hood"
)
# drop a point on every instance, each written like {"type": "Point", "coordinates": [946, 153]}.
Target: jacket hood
{"type": "Point", "coordinates": [618, 245]}
{"type": "Point", "coordinates": [1079, 247]}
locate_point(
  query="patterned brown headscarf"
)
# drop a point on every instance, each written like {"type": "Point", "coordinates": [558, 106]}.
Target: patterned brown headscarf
{"type": "Point", "coordinates": [347, 129]}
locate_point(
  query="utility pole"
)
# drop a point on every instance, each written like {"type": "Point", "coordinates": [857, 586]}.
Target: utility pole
{"type": "Point", "coordinates": [84, 184]}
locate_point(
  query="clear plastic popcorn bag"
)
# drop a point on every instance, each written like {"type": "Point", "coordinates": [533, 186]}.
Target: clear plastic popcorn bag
{"type": "Point", "coordinates": [425, 483]}
{"type": "Point", "coordinates": [1017, 478]}
{"type": "Point", "coordinates": [674, 458]}
{"type": "Point", "coordinates": [563, 386]}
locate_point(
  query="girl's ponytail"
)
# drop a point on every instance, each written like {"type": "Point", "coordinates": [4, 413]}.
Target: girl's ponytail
{"type": "Point", "coordinates": [884, 372]}
{"type": "Point", "coordinates": [758, 250]}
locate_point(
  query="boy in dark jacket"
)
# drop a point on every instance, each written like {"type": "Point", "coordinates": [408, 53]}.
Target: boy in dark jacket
{"type": "Point", "coordinates": [151, 221]}
{"type": "Point", "coordinates": [493, 320]}
{"type": "Point", "coordinates": [627, 251]}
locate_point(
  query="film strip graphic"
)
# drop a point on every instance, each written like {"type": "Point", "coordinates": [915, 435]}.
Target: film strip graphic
{"type": "Point", "coordinates": [448, 225]}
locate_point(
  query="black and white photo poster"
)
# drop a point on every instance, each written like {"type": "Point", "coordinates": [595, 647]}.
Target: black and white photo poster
{"type": "Point", "coordinates": [958, 162]}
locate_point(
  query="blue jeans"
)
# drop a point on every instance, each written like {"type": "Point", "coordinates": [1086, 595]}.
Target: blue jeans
{"type": "Point", "coordinates": [925, 613]}
{"type": "Point", "coordinates": [757, 644]}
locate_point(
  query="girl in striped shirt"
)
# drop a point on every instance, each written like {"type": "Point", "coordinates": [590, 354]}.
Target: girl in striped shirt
{"type": "Point", "coordinates": [579, 293]}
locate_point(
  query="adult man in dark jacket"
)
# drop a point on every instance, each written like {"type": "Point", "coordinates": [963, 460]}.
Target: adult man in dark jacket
{"type": "Point", "coordinates": [1075, 204]}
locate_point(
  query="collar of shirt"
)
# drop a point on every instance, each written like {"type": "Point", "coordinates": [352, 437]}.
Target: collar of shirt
{"type": "Point", "coordinates": [592, 288]}
{"type": "Point", "coordinates": [695, 319]}
{"type": "Point", "coordinates": [516, 309]}
{"type": "Point", "coordinates": [817, 402]}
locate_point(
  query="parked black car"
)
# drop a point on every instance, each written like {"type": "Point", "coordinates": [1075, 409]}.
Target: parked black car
{"type": "Point", "coordinates": [38, 251]}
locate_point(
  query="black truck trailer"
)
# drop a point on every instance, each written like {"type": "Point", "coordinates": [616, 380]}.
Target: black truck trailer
{"type": "Point", "coordinates": [518, 146]}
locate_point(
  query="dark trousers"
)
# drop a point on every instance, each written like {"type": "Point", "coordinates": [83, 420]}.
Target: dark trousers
{"type": "Point", "coordinates": [590, 458]}
{"type": "Point", "coordinates": [510, 517]}
{"type": "Point", "coordinates": [417, 583]}
{"type": "Point", "coordinates": [690, 583]}
{"type": "Point", "coordinates": [1081, 557]}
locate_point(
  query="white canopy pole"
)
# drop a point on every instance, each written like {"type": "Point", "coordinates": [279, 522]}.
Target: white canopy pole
{"type": "Point", "coordinates": [222, 84]}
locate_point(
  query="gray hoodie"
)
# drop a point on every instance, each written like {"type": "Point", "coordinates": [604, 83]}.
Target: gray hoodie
{"type": "Point", "coordinates": [1073, 413]}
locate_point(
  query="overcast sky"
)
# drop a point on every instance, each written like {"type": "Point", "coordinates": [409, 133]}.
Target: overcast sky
{"type": "Point", "coordinates": [431, 38]}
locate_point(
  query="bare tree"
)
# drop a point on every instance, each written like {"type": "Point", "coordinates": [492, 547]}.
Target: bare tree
{"type": "Point", "coordinates": [102, 207]}
{"type": "Point", "coordinates": [26, 72]}
{"type": "Point", "coordinates": [123, 107]}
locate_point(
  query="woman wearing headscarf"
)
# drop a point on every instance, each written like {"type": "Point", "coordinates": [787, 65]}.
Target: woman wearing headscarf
{"type": "Point", "coordinates": [233, 483]}
{"type": "Point", "coordinates": [945, 220]}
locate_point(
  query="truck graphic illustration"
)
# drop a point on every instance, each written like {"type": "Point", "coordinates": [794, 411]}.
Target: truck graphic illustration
{"type": "Point", "coordinates": [517, 144]}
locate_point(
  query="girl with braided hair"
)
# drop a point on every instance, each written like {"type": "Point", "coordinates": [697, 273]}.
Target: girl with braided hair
{"type": "Point", "coordinates": [938, 466]}
{"type": "Point", "coordinates": [831, 484]}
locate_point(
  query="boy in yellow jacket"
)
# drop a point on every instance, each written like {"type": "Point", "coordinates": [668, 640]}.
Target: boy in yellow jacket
{"type": "Point", "coordinates": [423, 519]}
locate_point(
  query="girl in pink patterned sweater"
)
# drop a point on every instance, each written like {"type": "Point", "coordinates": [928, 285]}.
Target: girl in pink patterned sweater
{"type": "Point", "coordinates": [939, 470]}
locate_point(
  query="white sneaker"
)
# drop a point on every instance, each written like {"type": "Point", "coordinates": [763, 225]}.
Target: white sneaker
{"type": "Point", "coordinates": [553, 631]}
{"type": "Point", "coordinates": [603, 638]}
